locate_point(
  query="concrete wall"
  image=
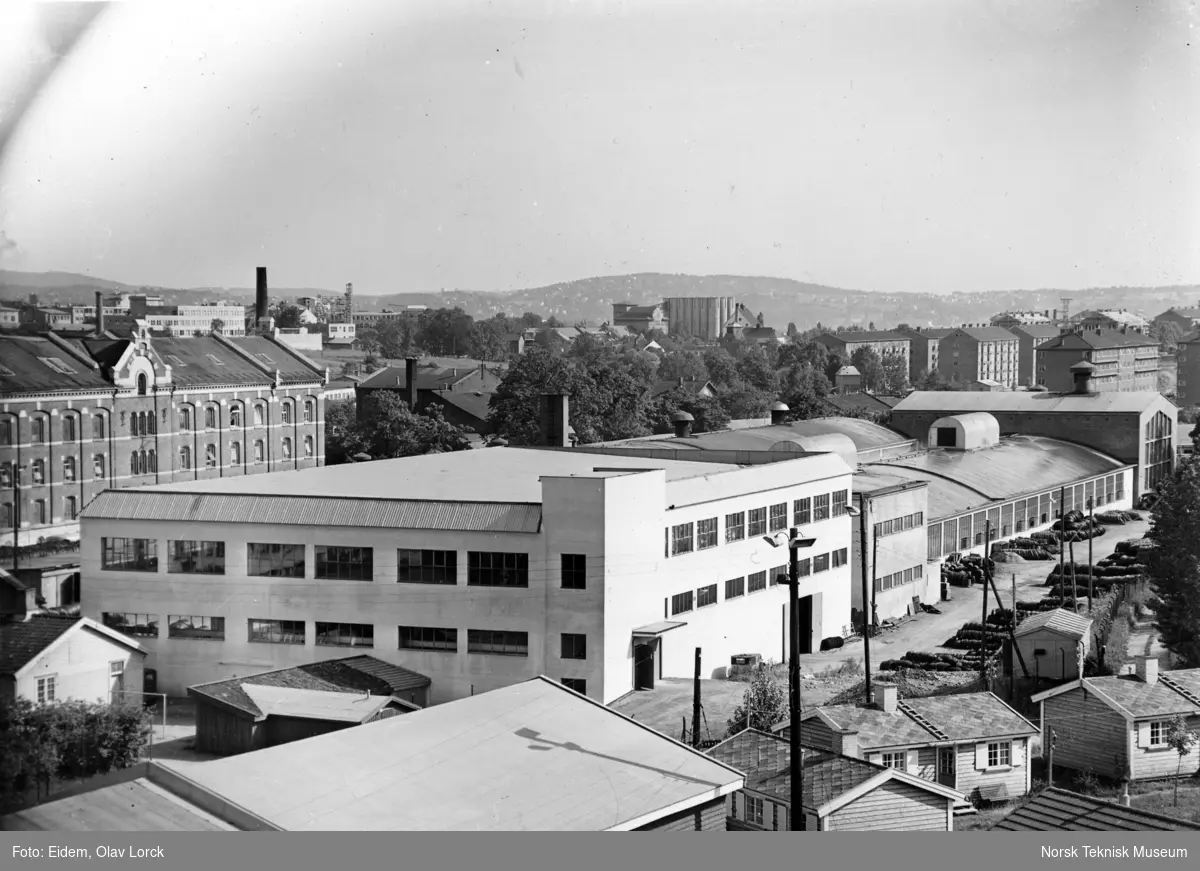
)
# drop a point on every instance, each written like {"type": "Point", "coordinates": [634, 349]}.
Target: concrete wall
{"type": "Point", "coordinates": [703, 317]}
{"type": "Point", "coordinates": [892, 553]}
{"type": "Point", "coordinates": [80, 665]}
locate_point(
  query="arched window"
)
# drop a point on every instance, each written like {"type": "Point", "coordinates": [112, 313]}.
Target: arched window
{"type": "Point", "coordinates": [235, 415]}
{"type": "Point", "coordinates": [210, 456]}
{"type": "Point", "coordinates": [135, 424]}
{"type": "Point", "coordinates": [71, 508]}
{"type": "Point", "coordinates": [260, 414]}
{"type": "Point", "coordinates": [37, 430]}
{"type": "Point", "coordinates": [152, 459]}
{"type": "Point", "coordinates": [185, 418]}
{"type": "Point", "coordinates": [260, 453]}
{"type": "Point", "coordinates": [8, 431]}
{"type": "Point", "coordinates": [285, 412]}
{"type": "Point", "coordinates": [308, 446]}
{"type": "Point", "coordinates": [210, 417]}
{"type": "Point", "coordinates": [235, 453]}
{"type": "Point", "coordinates": [185, 457]}
{"type": "Point", "coordinates": [68, 426]}
{"type": "Point", "coordinates": [39, 511]}
{"type": "Point", "coordinates": [308, 410]}
{"type": "Point", "coordinates": [6, 474]}
{"type": "Point", "coordinates": [287, 449]}
{"type": "Point", "coordinates": [141, 384]}
{"type": "Point", "coordinates": [68, 469]}
{"type": "Point", "coordinates": [135, 466]}
{"type": "Point", "coordinates": [98, 428]}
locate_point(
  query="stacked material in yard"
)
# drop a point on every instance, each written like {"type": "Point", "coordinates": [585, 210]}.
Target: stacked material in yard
{"type": "Point", "coordinates": [1077, 526]}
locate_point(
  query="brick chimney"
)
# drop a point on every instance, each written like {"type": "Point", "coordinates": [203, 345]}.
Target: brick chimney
{"type": "Point", "coordinates": [886, 698]}
{"type": "Point", "coordinates": [410, 383]}
{"type": "Point", "coordinates": [1147, 670]}
{"type": "Point", "coordinates": [260, 295]}
{"type": "Point", "coordinates": [846, 743]}
{"type": "Point", "coordinates": [555, 420]}
{"type": "Point", "coordinates": [682, 421]}
{"type": "Point", "coordinates": [99, 313]}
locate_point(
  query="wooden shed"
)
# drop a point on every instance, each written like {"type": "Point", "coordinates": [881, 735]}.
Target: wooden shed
{"type": "Point", "coordinates": [275, 707]}
{"type": "Point", "coordinates": [1054, 644]}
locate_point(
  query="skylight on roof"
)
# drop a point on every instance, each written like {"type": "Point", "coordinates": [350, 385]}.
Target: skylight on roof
{"type": "Point", "coordinates": [57, 365]}
{"type": "Point", "coordinates": [217, 360]}
{"type": "Point", "coordinates": [6, 372]}
{"type": "Point", "coordinates": [264, 358]}
{"type": "Point", "coordinates": [175, 360]}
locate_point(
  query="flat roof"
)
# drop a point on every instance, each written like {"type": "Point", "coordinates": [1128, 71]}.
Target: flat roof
{"type": "Point", "coordinates": [134, 806]}
{"type": "Point", "coordinates": [534, 756]}
{"type": "Point", "coordinates": [955, 401]}
{"type": "Point", "coordinates": [500, 474]}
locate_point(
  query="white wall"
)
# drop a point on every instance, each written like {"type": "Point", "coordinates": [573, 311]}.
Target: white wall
{"type": "Point", "coordinates": [80, 664]}
{"type": "Point", "coordinates": [887, 554]}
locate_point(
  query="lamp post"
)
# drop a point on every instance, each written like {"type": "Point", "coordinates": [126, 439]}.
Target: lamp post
{"type": "Point", "coordinates": [794, 543]}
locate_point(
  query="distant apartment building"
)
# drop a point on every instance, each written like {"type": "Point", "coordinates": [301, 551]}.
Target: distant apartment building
{"type": "Point", "coordinates": [1124, 361]}
{"type": "Point", "coordinates": [885, 343]}
{"type": "Point", "coordinates": [10, 318]}
{"type": "Point", "coordinates": [1187, 379]}
{"type": "Point", "coordinates": [1186, 319]}
{"type": "Point", "coordinates": [1008, 320]}
{"type": "Point", "coordinates": [971, 354]}
{"type": "Point", "coordinates": [1029, 336]}
{"type": "Point", "coordinates": [924, 344]}
{"type": "Point", "coordinates": [1110, 319]}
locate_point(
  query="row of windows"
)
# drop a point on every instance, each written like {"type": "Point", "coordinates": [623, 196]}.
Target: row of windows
{"type": "Point", "coordinates": [484, 569]}
{"type": "Point", "coordinates": [690, 600]}
{"type": "Point", "coordinates": [900, 524]}
{"type": "Point", "coordinates": [212, 414]}
{"type": "Point", "coordinates": [235, 453]}
{"type": "Point", "coordinates": [703, 534]}
{"type": "Point", "coordinates": [38, 512]}
{"type": "Point", "coordinates": [899, 579]}
{"type": "Point", "coordinates": [572, 645]}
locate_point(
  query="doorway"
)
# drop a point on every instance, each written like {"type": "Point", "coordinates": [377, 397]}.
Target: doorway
{"type": "Point", "coordinates": [644, 664]}
{"type": "Point", "coordinates": [946, 772]}
{"type": "Point", "coordinates": [805, 612]}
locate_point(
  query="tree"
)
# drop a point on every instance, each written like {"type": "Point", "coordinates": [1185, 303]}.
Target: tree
{"type": "Point", "coordinates": [803, 390]}
{"type": "Point", "coordinates": [764, 703]}
{"type": "Point", "coordinates": [286, 315]}
{"type": "Point", "coordinates": [756, 370]}
{"type": "Point", "coordinates": [486, 341]}
{"type": "Point", "coordinates": [395, 339]}
{"type": "Point", "coordinates": [342, 436]}
{"type": "Point", "coordinates": [721, 366]}
{"type": "Point", "coordinates": [553, 322]}
{"type": "Point", "coordinates": [869, 365]}
{"type": "Point", "coordinates": [444, 331]}
{"type": "Point", "coordinates": [530, 319]}
{"type": "Point", "coordinates": [1181, 739]}
{"type": "Point", "coordinates": [835, 359]}
{"type": "Point", "coordinates": [895, 375]}
{"type": "Point", "coordinates": [791, 329]}
{"type": "Point", "coordinates": [688, 365]}
{"type": "Point", "coordinates": [218, 325]}
{"type": "Point", "coordinates": [708, 412]}
{"type": "Point", "coordinates": [1167, 334]}
{"type": "Point", "coordinates": [1174, 564]}
{"type": "Point", "coordinates": [385, 428]}
{"type": "Point", "coordinates": [1189, 414]}
{"type": "Point", "coordinates": [1166, 384]}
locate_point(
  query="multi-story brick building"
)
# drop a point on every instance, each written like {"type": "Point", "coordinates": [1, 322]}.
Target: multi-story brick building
{"type": "Point", "coordinates": [79, 416]}
{"type": "Point", "coordinates": [1029, 336]}
{"type": "Point", "coordinates": [924, 345]}
{"type": "Point", "coordinates": [972, 354]}
{"type": "Point", "coordinates": [1124, 361]}
{"type": "Point", "coordinates": [1187, 362]}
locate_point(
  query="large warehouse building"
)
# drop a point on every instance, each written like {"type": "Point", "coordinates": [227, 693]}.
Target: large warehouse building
{"type": "Point", "coordinates": [478, 568]}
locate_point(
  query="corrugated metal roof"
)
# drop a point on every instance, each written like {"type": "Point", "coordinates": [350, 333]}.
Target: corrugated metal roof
{"type": "Point", "coordinates": [955, 401]}
{"type": "Point", "coordinates": [1057, 810]}
{"type": "Point", "coordinates": [315, 511]}
{"type": "Point", "coordinates": [1066, 622]}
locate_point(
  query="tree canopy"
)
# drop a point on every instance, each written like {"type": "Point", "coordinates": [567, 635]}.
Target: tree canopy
{"type": "Point", "coordinates": [1174, 564]}
{"type": "Point", "coordinates": [387, 429]}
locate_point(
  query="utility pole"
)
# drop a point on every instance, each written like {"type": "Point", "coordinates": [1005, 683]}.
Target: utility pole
{"type": "Point", "coordinates": [16, 482]}
{"type": "Point", "coordinates": [1050, 761]}
{"type": "Point", "coordinates": [867, 586]}
{"type": "Point", "coordinates": [1091, 534]}
{"type": "Point", "coordinates": [983, 645]}
{"type": "Point", "coordinates": [696, 704]}
{"type": "Point", "coordinates": [1074, 582]}
{"type": "Point", "coordinates": [796, 773]}
{"type": "Point", "coordinates": [1062, 532]}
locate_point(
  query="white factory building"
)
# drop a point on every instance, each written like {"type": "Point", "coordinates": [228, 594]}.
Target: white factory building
{"type": "Point", "coordinates": [479, 568]}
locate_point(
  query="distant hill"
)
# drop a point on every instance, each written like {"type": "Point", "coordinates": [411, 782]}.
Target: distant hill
{"type": "Point", "coordinates": [781, 300]}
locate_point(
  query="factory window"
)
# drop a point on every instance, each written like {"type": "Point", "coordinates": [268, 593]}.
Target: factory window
{"type": "Point", "coordinates": [485, 569]}
{"type": "Point", "coordinates": [38, 471]}
{"type": "Point", "coordinates": [98, 466]}
{"type": "Point", "coordinates": [276, 631]}
{"type": "Point", "coordinates": [71, 508]}
{"type": "Point", "coordinates": [778, 575]}
{"type": "Point", "coordinates": [210, 456]}
{"type": "Point", "coordinates": [757, 581]}
{"type": "Point", "coordinates": [345, 635]}
{"type": "Point", "coordinates": [287, 449]}
{"type": "Point", "coordinates": [344, 563]}
{"type": "Point", "coordinates": [68, 469]}
{"type": "Point", "coordinates": [68, 428]}
{"type": "Point", "coordinates": [207, 628]}
{"type": "Point", "coordinates": [735, 587]}
{"type": "Point", "coordinates": [285, 413]}
{"type": "Point", "coordinates": [758, 522]}
{"type": "Point", "coordinates": [839, 558]}
{"type": "Point", "coordinates": [6, 475]}
{"type": "Point", "coordinates": [577, 684]}
{"type": "Point", "coordinates": [37, 430]}
{"type": "Point", "coordinates": [135, 625]}
{"type": "Point", "coordinates": [260, 451]}
{"type": "Point", "coordinates": [821, 563]}
{"type": "Point", "coordinates": [821, 507]}
{"type": "Point", "coordinates": [235, 453]}
{"type": "Point", "coordinates": [275, 560]}
{"type": "Point", "coordinates": [804, 568]}
{"type": "Point", "coordinates": [39, 511]}
{"type": "Point", "coordinates": [779, 517]}
{"type": "Point", "coordinates": [428, 638]}
{"type": "Point", "coordinates": [210, 417]}
{"type": "Point", "coordinates": [841, 499]}
{"type": "Point", "coordinates": [498, 642]}
{"type": "Point", "coordinates": [682, 539]}
{"type": "Point", "coordinates": [308, 410]}
{"type": "Point", "coordinates": [129, 554]}
{"type": "Point", "coordinates": [706, 596]}
{"type": "Point", "coordinates": [735, 526]}
{"type": "Point", "coordinates": [185, 418]}
{"type": "Point", "coordinates": [308, 447]}
{"type": "Point", "coordinates": [706, 534]}
{"type": "Point", "coordinates": [97, 428]}
{"type": "Point", "coordinates": [681, 603]}
{"type": "Point", "coordinates": [427, 566]}
{"type": "Point", "coordinates": [196, 557]}
{"type": "Point", "coordinates": [235, 415]}
{"type": "Point", "coordinates": [574, 571]}
{"type": "Point", "coordinates": [574, 646]}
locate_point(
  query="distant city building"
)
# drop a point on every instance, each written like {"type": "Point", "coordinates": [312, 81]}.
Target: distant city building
{"type": "Point", "coordinates": [1029, 336]}
{"type": "Point", "coordinates": [1187, 319]}
{"type": "Point", "coordinates": [339, 334]}
{"type": "Point", "coordinates": [640, 318]}
{"type": "Point", "coordinates": [373, 319]}
{"type": "Point", "coordinates": [925, 344]}
{"type": "Point", "coordinates": [1124, 361]}
{"type": "Point", "coordinates": [463, 393]}
{"type": "Point", "coordinates": [701, 317]}
{"type": "Point", "coordinates": [1110, 319]}
{"type": "Point", "coordinates": [10, 318]}
{"type": "Point", "coordinates": [1187, 363]}
{"type": "Point", "coordinates": [972, 354]}
{"type": "Point", "coordinates": [847, 379]}
{"type": "Point", "coordinates": [885, 343]}
{"type": "Point", "coordinates": [1008, 320]}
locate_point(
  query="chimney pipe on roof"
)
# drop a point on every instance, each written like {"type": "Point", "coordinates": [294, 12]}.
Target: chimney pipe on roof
{"type": "Point", "coordinates": [99, 313]}
{"type": "Point", "coordinates": [260, 296]}
{"type": "Point", "coordinates": [1147, 670]}
{"type": "Point", "coordinates": [846, 743]}
{"type": "Point", "coordinates": [885, 698]}
{"type": "Point", "coordinates": [682, 421]}
{"type": "Point", "coordinates": [410, 385]}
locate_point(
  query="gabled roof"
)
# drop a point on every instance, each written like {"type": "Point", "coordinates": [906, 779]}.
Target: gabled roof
{"type": "Point", "coordinates": [1057, 810]}
{"type": "Point", "coordinates": [35, 364]}
{"type": "Point", "coordinates": [830, 780]}
{"type": "Point", "coordinates": [476, 404]}
{"type": "Point", "coordinates": [852, 337]}
{"type": "Point", "coordinates": [23, 642]}
{"type": "Point", "coordinates": [1134, 699]}
{"type": "Point", "coordinates": [694, 386]}
{"type": "Point", "coordinates": [986, 334]}
{"type": "Point", "coordinates": [1097, 340]}
{"type": "Point", "coordinates": [352, 676]}
{"type": "Point", "coordinates": [1035, 331]}
{"type": "Point", "coordinates": [533, 756]}
{"type": "Point", "coordinates": [1059, 620]}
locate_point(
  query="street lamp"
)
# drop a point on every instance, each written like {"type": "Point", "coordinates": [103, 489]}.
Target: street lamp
{"type": "Point", "coordinates": [794, 542]}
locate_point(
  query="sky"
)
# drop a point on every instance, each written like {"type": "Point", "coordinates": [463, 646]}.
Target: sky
{"type": "Point", "coordinates": [406, 146]}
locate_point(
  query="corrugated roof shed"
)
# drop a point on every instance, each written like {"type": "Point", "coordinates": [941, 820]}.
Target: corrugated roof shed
{"type": "Point", "coordinates": [1058, 620]}
{"type": "Point", "coordinates": [1057, 810]}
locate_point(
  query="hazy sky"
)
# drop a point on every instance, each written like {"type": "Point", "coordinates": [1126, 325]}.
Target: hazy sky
{"type": "Point", "coordinates": [408, 146]}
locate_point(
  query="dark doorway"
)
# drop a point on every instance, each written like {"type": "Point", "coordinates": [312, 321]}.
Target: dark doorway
{"type": "Point", "coordinates": [643, 665]}
{"type": "Point", "coordinates": [946, 775]}
{"type": "Point", "coordinates": [945, 436]}
{"type": "Point", "coordinates": [806, 611]}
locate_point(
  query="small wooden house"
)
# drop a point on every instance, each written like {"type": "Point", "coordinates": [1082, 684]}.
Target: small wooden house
{"type": "Point", "coordinates": [1054, 644]}
{"type": "Point", "coordinates": [841, 793]}
{"type": "Point", "coordinates": [970, 742]}
{"type": "Point", "coordinates": [1116, 726]}
{"type": "Point", "coordinates": [276, 707]}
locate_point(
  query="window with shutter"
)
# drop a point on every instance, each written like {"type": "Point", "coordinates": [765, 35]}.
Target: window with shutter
{"type": "Point", "coordinates": [1018, 754]}
{"type": "Point", "coordinates": [980, 757]}
{"type": "Point", "coordinates": [914, 764]}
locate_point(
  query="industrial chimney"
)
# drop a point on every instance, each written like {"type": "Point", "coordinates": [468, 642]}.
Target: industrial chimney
{"type": "Point", "coordinates": [682, 421]}
{"type": "Point", "coordinates": [410, 383]}
{"type": "Point", "coordinates": [555, 420]}
{"type": "Point", "coordinates": [779, 411]}
{"type": "Point", "coordinates": [99, 313]}
{"type": "Point", "coordinates": [1082, 373]}
{"type": "Point", "coordinates": [260, 296]}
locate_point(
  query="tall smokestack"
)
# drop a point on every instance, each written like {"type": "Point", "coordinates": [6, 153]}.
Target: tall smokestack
{"type": "Point", "coordinates": [410, 382]}
{"type": "Point", "coordinates": [260, 297]}
{"type": "Point", "coordinates": [99, 313]}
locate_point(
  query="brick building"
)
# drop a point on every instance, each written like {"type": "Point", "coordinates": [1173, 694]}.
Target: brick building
{"type": "Point", "coordinates": [925, 344]}
{"type": "Point", "coordinates": [79, 416]}
{"type": "Point", "coordinates": [1124, 361]}
{"type": "Point", "coordinates": [971, 354]}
